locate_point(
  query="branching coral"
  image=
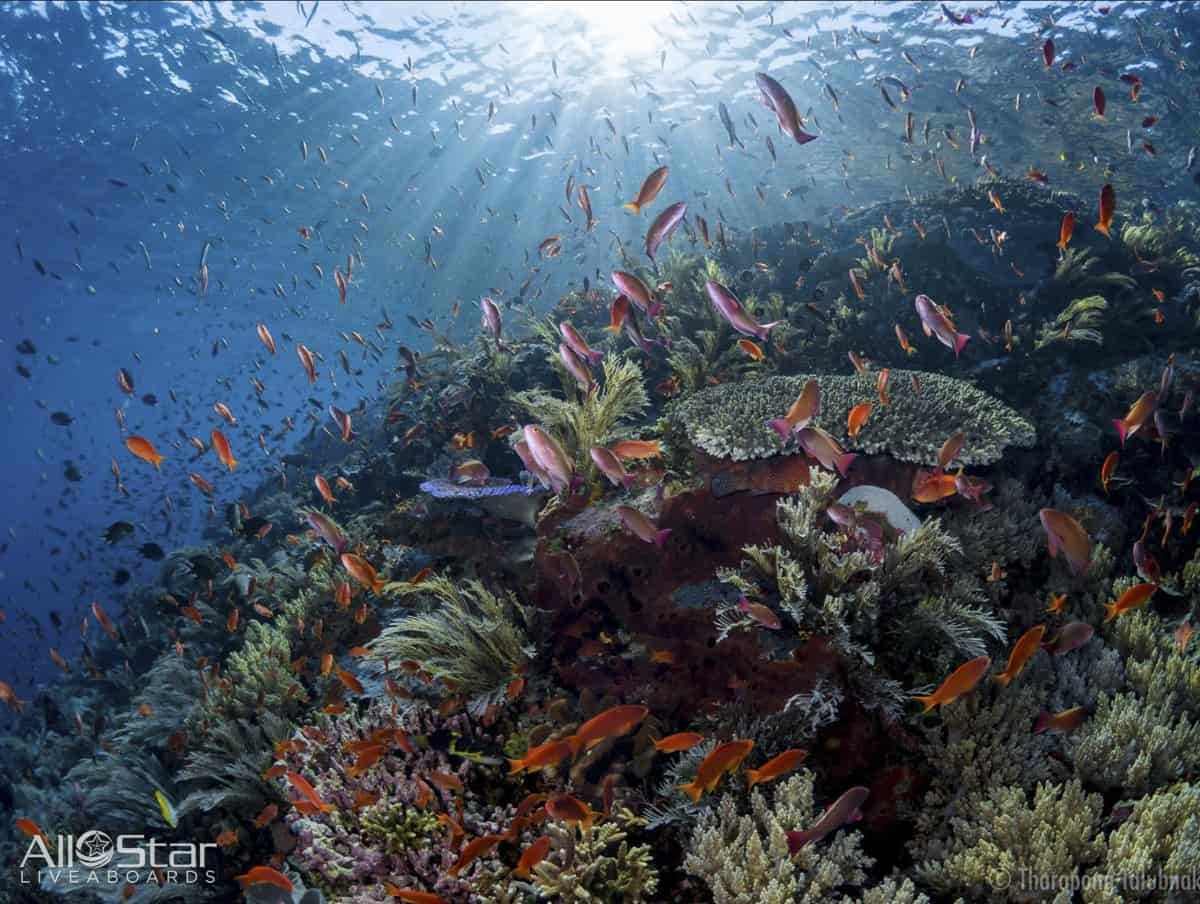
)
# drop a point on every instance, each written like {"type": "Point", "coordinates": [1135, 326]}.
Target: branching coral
{"type": "Point", "coordinates": [1161, 837]}
{"type": "Point", "coordinates": [730, 420]}
{"type": "Point", "coordinates": [1002, 836]}
{"type": "Point", "coordinates": [598, 865]}
{"type": "Point", "coordinates": [592, 420]}
{"type": "Point", "coordinates": [744, 858]}
{"type": "Point", "coordinates": [469, 637]}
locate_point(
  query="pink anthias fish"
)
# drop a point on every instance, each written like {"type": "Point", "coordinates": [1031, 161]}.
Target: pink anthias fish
{"type": "Point", "coordinates": [642, 527]}
{"type": "Point", "coordinates": [935, 323]}
{"type": "Point", "coordinates": [578, 343]}
{"type": "Point", "coordinates": [731, 309]}
{"type": "Point", "coordinates": [575, 367]}
{"type": "Point", "coordinates": [490, 319]}
{"type": "Point", "coordinates": [662, 227]}
{"type": "Point", "coordinates": [781, 104]}
{"type": "Point", "coordinates": [825, 449]}
{"type": "Point", "coordinates": [545, 459]}
{"type": "Point", "coordinates": [843, 810]}
{"type": "Point", "coordinates": [636, 291]}
{"type": "Point", "coordinates": [327, 529]}
{"type": "Point", "coordinates": [611, 467]}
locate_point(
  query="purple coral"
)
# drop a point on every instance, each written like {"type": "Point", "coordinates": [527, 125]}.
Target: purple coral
{"type": "Point", "coordinates": [333, 848]}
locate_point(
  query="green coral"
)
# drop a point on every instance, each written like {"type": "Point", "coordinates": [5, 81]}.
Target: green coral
{"type": "Point", "coordinates": [469, 637]}
{"type": "Point", "coordinates": [1134, 745]}
{"type": "Point", "coordinates": [1080, 321]}
{"type": "Point", "coordinates": [1156, 669]}
{"type": "Point", "coordinates": [730, 420]}
{"type": "Point", "coordinates": [592, 420]}
{"type": "Point", "coordinates": [1077, 272]}
{"type": "Point", "coordinates": [743, 858]}
{"type": "Point", "coordinates": [1002, 837]}
{"type": "Point", "coordinates": [1161, 837]}
{"type": "Point", "coordinates": [397, 827]}
{"type": "Point", "coordinates": [598, 865]}
{"type": "Point", "coordinates": [1162, 241]}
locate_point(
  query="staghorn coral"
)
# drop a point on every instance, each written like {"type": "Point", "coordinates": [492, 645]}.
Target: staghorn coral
{"type": "Point", "coordinates": [1080, 321]}
{"type": "Point", "coordinates": [744, 857]}
{"type": "Point", "coordinates": [1134, 745]}
{"type": "Point", "coordinates": [594, 419]}
{"type": "Point", "coordinates": [729, 421]}
{"type": "Point", "coordinates": [1002, 836]}
{"type": "Point", "coordinates": [598, 865]}
{"type": "Point", "coordinates": [1161, 837]}
{"type": "Point", "coordinates": [397, 827]}
{"type": "Point", "coordinates": [469, 637]}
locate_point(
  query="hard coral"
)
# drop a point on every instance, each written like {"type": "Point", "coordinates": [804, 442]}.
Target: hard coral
{"type": "Point", "coordinates": [729, 420]}
{"type": "Point", "coordinates": [599, 865]}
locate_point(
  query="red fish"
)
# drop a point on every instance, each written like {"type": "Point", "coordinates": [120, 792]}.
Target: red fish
{"type": "Point", "coordinates": [724, 758]}
{"type": "Point", "coordinates": [1099, 104]}
{"type": "Point", "coordinates": [843, 810]}
{"type": "Point", "coordinates": [652, 185]}
{"type": "Point", "coordinates": [779, 102]}
{"type": "Point", "coordinates": [960, 683]}
{"type": "Point", "coordinates": [1108, 206]}
{"type": "Point", "coordinates": [1065, 533]}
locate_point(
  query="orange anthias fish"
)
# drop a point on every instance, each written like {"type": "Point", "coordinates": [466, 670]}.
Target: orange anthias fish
{"type": "Point", "coordinates": [32, 829]}
{"type": "Point", "coordinates": [902, 338]}
{"type": "Point", "coordinates": [950, 449]}
{"type": "Point", "coordinates": [8, 696]}
{"type": "Point", "coordinates": [541, 757]}
{"type": "Point", "coordinates": [571, 810]}
{"type": "Point", "coordinates": [1066, 230]}
{"type": "Point", "coordinates": [103, 620]}
{"type": "Point", "coordinates": [324, 489]}
{"type": "Point", "coordinates": [634, 449]}
{"type": "Point", "coordinates": [960, 683]}
{"type": "Point", "coordinates": [224, 452]}
{"type": "Point", "coordinates": [412, 896]}
{"type": "Point", "coordinates": [1183, 634]}
{"type": "Point", "coordinates": [532, 856]}
{"type": "Point", "coordinates": [1065, 721]}
{"type": "Point", "coordinates": [1058, 604]}
{"type": "Point", "coordinates": [474, 849]}
{"type": "Point", "coordinates": [1108, 206]}
{"type": "Point", "coordinates": [618, 313]}
{"type": "Point", "coordinates": [144, 449]}
{"type": "Point", "coordinates": [1022, 651]}
{"type": "Point", "coordinates": [360, 569]}
{"type": "Point", "coordinates": [933, 486]}
{"type": "Point", "coordinates": [775, 767]}
{"type": "Point", "coordinates": [1108, 469]}
{"type": "Point", "coordinates": [858, 417]}
{"type": "Point", "coordinates": [1133, 598]}
{"type": "Point", "coordinates": [676, 743]}
{"type": "Point", "coordinates": [265, 875]}
{"type": "Point", "coordinates": [724, 758]}
{"type": "Point", "coordinates": [1137, 416]}
{"type": "Point", "coordinates": [308, 792]}
{"type": "Point", "coordinates": [751, 349]}
{"type": "Point", "coordinates": [649, 190]}
{"type": "Point", "coordinates": [806, 407]}
{"type": "Point", "coordinates": [1065, 533]}
{"type": "Point", "coordinates": [265, 336]}
{"type": "Point", "coordinates": [612, 723]}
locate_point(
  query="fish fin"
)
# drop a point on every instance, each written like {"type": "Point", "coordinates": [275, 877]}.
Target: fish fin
{"type": "Point", "coordinates": [1042, 723]}
{"type": "Point", "coordinates": [595, 356]}
{"type": "Point", "coordinates": [655, 308]}
{"type": "Point", "coordinates": [960, 342]}
{"type": "Point", "coordinates": [796, 841]}
{"type": "Point", "coordinates": [1004, 678]}
{"type": "Point", "coordinates": [1100, 227]}
{"type": "Point", "coordinates": [1121, 430]}
{"type": "Point", "coordinates": [628, 481]}
{"type": "Point", "coordinates": [692, 790]}
{"type": "Point", "coordinates": [781, 427]}
{"type": "Point", "coordinates": [634, 207]}
{"type": "Point", "coordinates": [752, 778]}
{"type": "Point", "coordinates": [764, 330]}
{"type": "Point", "coordinates": [844, 462]}
{"type": "Point", "coordinates": [516, 766]}
{"type": "Point", "coordinates": [661, 537]}
{"type": "Point", "coordinates": [1111, 609]}
{"type": "Point", "coordinates": [928, 700]}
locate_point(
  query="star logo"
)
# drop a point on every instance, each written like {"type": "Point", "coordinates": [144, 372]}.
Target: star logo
{"type": "Point", "coordinates": [93, 850]}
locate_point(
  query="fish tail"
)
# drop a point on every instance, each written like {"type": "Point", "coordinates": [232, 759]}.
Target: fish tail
{"type": "Point", "coordinates": [1122, 430]}
{"type": "Point", "coordinates": [634, 207]}
{"type": "Point", "coordinates": [782, 427]}
{"type": "Point", "coordinates": [516, 766]}
{"type": "Point", "coordinates": [692, 790]}
{"type": "Point", "coordinates": [1042, 723]}
{"type": "Point", "coordinates": [1004, 678]}
{"type": "Point", "coordinates": [628, 481]}
{"type": "Point", "coordinates": [660, 538]}
{"type": "Point", "coordinates": [844, 462]}
{"type": "Point", "coordinates": [929, 700]}
{"type": "Point", "coordinates": [797, 840]}
{"type": "Point", "coordinates": [752, 778]}
{"type": "Point", "coordinates": [1113, 611]}
{"type": "Point", "coordinates": [595, 356]}
{"type": "Point", "coordinates": [960, 341]}
{"type": "Point", "coordinates": [1103, 227]}
{"type": "Point", "coordinates": [377, 586]}
{"type": "Point", "coordinates": [233, 463]}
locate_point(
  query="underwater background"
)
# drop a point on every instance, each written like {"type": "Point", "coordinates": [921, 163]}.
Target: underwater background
{"type": "Point", "coordinates": [512, 452]}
